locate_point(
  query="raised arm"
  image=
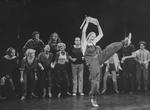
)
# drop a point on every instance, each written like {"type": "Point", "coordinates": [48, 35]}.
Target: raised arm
{"type": "Point", "coordinates": [83, 37]}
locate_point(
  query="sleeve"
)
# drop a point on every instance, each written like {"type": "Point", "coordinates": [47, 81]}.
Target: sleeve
{"type": "Point", "coordinates": [35, 65]}
{"type": "Point", "coordinates": [109, 51]}
{"type": "Point", "coordinates": [26, 46]}
{"type": "Point", "coordinates": [22, 67]}
{"type": "Point", "coordinates": [67, 56]}
{"type": "Point", "coordinates": [42, 46]}
{"type": "Point", "coordinates": [39, 58]}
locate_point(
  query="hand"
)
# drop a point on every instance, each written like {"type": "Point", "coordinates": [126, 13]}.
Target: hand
{"type": "Point", "coordinates": [36, 78]}
{"type": "Point", "coordinates": [52, 65]}
{"type": "Point", "coordinates": [82, 58]}
{"type": "Point", "coordinates": [7, 76]}
{"type": "Point", "coordinates": [21, 80]}
{"type": "Point", "coordinates": [42, 68]}
{"type": "Point", "coordinates": [74, 59]}
{"type": "Point", "coordinates": [140, 62]}
{"type": "Point", "coordinates": [123, 59]}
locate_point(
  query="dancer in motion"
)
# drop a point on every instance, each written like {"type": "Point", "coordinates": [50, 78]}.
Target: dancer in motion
{"type": "Point", "coordinates": [94, 56]}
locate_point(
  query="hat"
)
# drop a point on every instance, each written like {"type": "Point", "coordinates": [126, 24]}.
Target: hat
{"type": "Point", "coordinates": [47, 48]}
{"type": "Point", "coordinates": [30, 51]}
{"type": "Point", "coordinates": [142, 42]}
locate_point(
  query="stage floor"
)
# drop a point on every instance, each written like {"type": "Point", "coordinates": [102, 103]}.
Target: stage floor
{"type": "Point", "coordinates": [105, 102]}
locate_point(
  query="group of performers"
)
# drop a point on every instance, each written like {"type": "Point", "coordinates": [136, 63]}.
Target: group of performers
{"type": "Point", "coordinates": [40, 61]}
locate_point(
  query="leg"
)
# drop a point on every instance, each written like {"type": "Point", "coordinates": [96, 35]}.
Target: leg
{"type": "Point", "coordinates": [43, 79]}
{"type": "Point", "coordinates": [33, 84]}
{"type": "Point", "coordinates": [105, 81]}
{"type": "Point", "coordinates": [58, 79]}
{"type": "Point", "coordinates": [138, 76]}
{"type": "Point", "coordinates": [145, 76]}
{"type": "Point", "coordinates": [12, 87]}
{"type": "Point", "coordinates": [74, 77]}
{"type": "Point", "coordinates": [115, 81]}
{"type": "Point", "coordinates": [2, 82]}
{"type": "Point", "coordinates": [50, 83]}
{"type": "Point", "coordinates": [80, 79]}
{"type": "Point", "coordinates": [24, 86]}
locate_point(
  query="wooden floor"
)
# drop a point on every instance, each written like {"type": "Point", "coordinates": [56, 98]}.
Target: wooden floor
{"type": "Point", "coordinates": [106, 102]}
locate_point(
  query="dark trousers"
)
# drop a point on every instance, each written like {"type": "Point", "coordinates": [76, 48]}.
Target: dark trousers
{"type": "Point", "coordinates": [29, 76]}
{"type": "Point", "coordinates": [129, 68]}
{"type": "Point", "coordinates": [62, 77]}
{"type": "Point", "coordinates": [46, 77]}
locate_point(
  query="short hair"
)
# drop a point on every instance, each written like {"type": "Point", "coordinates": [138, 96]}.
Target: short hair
{"type": "Point", "coordinates": [34, 33]}
{"type": "Point", "coordinates": [59, 45]}
{"type": "Point", "coordinates": [9, 50]}
{"type": "Point", "coordinates": [30, 51]}
{"type": "Point", "coordinates": [142, 42]}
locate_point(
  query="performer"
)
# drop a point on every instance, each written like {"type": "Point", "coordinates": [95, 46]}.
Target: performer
{"type": "Point", "coordinates": [77, 58]}
{"type": "Point", "coordinates": [94, 56]}
{"type": "Point", "coordinates": [44, 62]}
{"type": "Point", "coordinates": [7, 65]}
{"type": "Point", "coordinates": [34, 43]}
{"type": "Point", "coordinates": [142, 57]}
{"type": "Point", "coordinates": [28, 70]}
{"type": "Point", "coordinates": [61, 59]}
{"type": "Point", "coordinates": [53, 41]}
{"type": "Point", "coordinates": [112, 67]}
{"type": "Point", "coordinates": [129, 65]}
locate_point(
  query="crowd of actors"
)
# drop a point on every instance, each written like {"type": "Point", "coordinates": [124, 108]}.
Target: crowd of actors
{"type": "Point", "coordinates": [42, 61]}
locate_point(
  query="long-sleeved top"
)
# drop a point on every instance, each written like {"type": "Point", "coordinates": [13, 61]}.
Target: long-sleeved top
{"type": "Point", "coordinates": [31, 44]}
{"type": "Point", "coordinates": [25, 66]}
{"type": "Point", "coordinates": [45, 61]}
{"type": "Point", "coordinates": [7, 66]}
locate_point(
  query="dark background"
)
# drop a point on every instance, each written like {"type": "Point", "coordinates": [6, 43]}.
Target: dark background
{"type": "Point", "coordinates": [19, 18]}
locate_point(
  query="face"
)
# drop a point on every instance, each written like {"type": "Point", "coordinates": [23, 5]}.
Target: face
{"type": "Point", "coordinates": [92, 38]}
{"type": "Point", "coordinates": [142, 46]}
{"type": "Point", "coordinates": [77, 41]}
{"type": "Point", "coordinates": [12, 53]}
{"type": "Point", "coordinates": [37, 37]}
{"type": "Point", "coordinates": [31, 55]}
{"type": "Point", "coordinates": [55, 36]}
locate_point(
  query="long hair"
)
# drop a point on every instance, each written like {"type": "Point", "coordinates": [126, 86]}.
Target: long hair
{"type": "Point", "coordinates": [51, 38]}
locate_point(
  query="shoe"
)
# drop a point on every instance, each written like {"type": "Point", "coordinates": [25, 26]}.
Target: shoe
{"type": "Point", "coordinates": [103, 92]}
{"type": "Point", "coordinates": [94, 103]}
{"type": "Point", "coordinates": [68, 93]}
{"type": "Point", "coordinates": [82, 94]}
{"type": "Point", "coordinates": [74, 94]}
{"type": "Point", "coordinates": [59, 94]}
{"type": "Point", "coordinates": [117, 91]}
{"type": "Point", "coordinates": [43, 95]}
{"type": "Point", "coordinates": [23, 98]}
{"type": "Point", "coordinates": [33, 95]}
